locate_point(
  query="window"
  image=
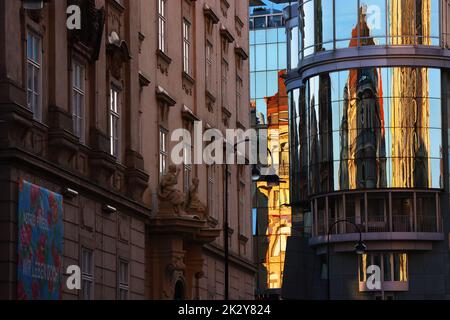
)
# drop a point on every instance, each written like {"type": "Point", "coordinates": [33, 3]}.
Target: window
{"type": "Point", "coordinates": [123, 280]}
{"type": "Point", "coordinates": [186, 46]}
{"type": "Point", "coordinates": [209, 63]}
{"type": "Point", "coordinates": [238, 92]}
{"type": "Point", "coordinates": [114, 122]}
{"type": "Point", "coordinates": [260, 22]}
{"type": "Point", "coordinates": [241, 210]}
{"type": "Point", "coordinates": [187, 166]}
{"type": "Point", "coordinates": [162, 25]}
{"type": "Point", "coordinates": [87, 274]}
{"type": "Point", "coordinates": [224, 82]}
{"type": "Point", "coordinates": [162, 151]}
{"type": "Point", "coordinates": [211, 196]}
{"type": "Point", "coordinates": [34, 76]}
{"type": "Point", "coordinates": [393, 267]}
{"type": "Point", "coordinates": [78, 94]}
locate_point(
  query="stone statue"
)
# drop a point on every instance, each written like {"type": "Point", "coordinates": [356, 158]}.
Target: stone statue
{"type": "Point", "coordinates": [171, 200]}
{"type": "Point", "coordinates": [193, 205]}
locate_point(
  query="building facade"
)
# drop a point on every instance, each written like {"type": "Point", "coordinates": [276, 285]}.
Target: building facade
{"type": "Point", "coordinates": [88, 115]}
{"type": "Point", "coordinates": [369, 139]}
{"type": "Point", "coordinates": [269, 101]}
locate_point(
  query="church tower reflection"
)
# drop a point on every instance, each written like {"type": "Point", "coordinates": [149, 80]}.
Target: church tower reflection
{"type": "Point", "coordinates": [363, 143]}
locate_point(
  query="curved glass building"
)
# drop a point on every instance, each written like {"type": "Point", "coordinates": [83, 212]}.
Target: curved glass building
{"type": "Point", "coordinates": [368, 86]}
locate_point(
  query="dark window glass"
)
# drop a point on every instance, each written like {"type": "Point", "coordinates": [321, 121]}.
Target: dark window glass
{"type": "Point", "coordinates": [260, 22]}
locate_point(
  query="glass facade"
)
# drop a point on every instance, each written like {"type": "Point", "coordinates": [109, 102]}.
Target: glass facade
{"type": "Point", "coordinates": [334, 24]}
{"type": "Point", "coordinates": [269, 102]}
{"type": "Point", "coordinates": [368, 137]}
{"type": "Point", "coordinates": [370, 128]}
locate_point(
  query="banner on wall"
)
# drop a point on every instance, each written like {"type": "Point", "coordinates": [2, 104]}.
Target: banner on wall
{"type": "Point", "coordinates": [40, 243]}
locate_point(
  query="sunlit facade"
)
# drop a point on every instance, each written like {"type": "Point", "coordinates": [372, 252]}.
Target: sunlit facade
{"type": "Point", "coordinates": [271, 215]}
{"type": "Point", "coordinates": [369, 138]}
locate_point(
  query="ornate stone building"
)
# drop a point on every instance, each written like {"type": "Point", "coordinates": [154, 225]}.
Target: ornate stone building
{"type": "Point", "coordinates": [89, 113]}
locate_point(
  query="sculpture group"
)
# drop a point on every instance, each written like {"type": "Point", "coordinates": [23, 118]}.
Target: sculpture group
{"type": "Point", "coordinates": [173, 201]}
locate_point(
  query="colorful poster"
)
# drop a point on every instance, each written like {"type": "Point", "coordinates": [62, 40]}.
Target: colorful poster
{"type": "Point", "coordinates": [40, 243]}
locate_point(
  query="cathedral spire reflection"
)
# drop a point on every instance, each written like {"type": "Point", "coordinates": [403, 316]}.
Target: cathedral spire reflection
{"type": "Point", "coordinates": [363, 145]}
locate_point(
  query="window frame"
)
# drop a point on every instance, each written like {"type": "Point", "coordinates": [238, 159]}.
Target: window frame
{"type": "Point", "coordinates": [81, 92]}
{"type": "Point", "coordinates": [209, 51]}
{"type": "Point", "coordinates": [211, 181]}
{"type": "Point", "coordinates": [224, 81]}
{"type": "Point", "coordinates": [87, 276]}
{"type": "Point", "coordinates": [162, 24]}
{"type": "Point", "coordinates": [114, 114]}
{"type": "Point", "coordinates": [163, 151]}
{"type": "Point", "coordinates": [123, 285]}
{"type": "Point", "coordinates": [35, 64]}
{"type": "Point", "coordinates": [187, 46]}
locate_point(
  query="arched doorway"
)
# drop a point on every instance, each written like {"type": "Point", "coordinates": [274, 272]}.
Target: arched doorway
{"type": "Point", "coordinates": [179, 291]}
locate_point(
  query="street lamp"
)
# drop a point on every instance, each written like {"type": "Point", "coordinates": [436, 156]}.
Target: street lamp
{"type": "Point", "coordinates": [360, 248]}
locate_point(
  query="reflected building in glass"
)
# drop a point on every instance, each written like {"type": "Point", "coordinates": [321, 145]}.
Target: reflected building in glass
{"type": "Point", "coordinates": [368, 102]}
{"type": "Point", "coordinates": [269, 100]}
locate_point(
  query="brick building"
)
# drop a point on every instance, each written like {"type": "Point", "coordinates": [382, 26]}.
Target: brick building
{"type": "Point", "coordinates": [89, 113]}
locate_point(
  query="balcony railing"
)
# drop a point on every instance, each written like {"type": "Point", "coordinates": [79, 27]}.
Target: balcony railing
{"type": "Point", "coordinates": [379, 214]}
{"type": "Point", "coordinates": [398, 223]}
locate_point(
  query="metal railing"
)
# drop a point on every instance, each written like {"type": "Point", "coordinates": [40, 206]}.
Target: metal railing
{"type": "Point", "coordinates": [380, 223]}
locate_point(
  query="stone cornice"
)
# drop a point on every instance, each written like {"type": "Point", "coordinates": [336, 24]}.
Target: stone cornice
{"type": "Point", "coordinates": [22, 158]}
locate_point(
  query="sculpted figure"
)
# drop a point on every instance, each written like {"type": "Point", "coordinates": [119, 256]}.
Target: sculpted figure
{"type": "Point", "coordinates": [167, 193]}
{"type": "Point", "coordinates": [193, 203]}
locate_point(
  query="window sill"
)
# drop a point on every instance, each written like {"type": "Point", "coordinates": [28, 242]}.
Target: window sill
{"type": "Point", "coordinates": [162, 55]}
{"type": "Point", "coordinates": [243, 239]}
{"type": "Point", "coordinates": [188, 78]}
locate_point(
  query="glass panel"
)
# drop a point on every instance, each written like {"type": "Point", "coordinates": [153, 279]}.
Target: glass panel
{"type": "Point", "coordinates": [387, 264]}
{"type": "Point", "coordinates": [260, 55]}
{"type": "Point", "coordinates": [261, 84]}
{"type": "Point", "coordinates": [401, 22]}
{"type": "Point", "coordinates": [272, 54]}
{"type": "Point", "coordinates": [347, 20]}
{"type": "Point", "coordinates": [252, 37]}
{"type": "Point", "coordinates": [372, 29]}
{"type": "Point", "coordinates": [260, 36]}
{"type": "Point", "coordinates": [309, 28]}
{"type": "Point", "coordinates": [260, 22]}
{"type": "Point", "coordinates": [272, 36]}
{"type": "Point", "coordinates": [272, 83]}
{"type": "Point", "coordinates": [293, 48]}
{"type": "Point", "coordinates": [400, 267]}
{"type": "Point", "coordinates": [275, 21]}
{"type": "Point", "coordinates": [324, 17]}
{"type": "Point", "coordinates": [281, 35]}
{"type": "Point", "coordinates": [282, 55]}
{"type": "Point", "coordinates": [374, 141]}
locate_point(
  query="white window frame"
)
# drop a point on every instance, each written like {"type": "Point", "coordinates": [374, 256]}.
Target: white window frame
{"type": "Point", "coordinates": [123, 280]}
{"type": "Point", "coordinates": [78, 99]}
{"type": "Point", "coordinates": [114, 122]}
{"type": "Point", "coordinates": [34, 74]}
{"type": "Point", "coordinates": [209, 62]}
{"type": "Point", "coordinates": [87, 274]}
{"type": "Point", "coordinates": [186, 46]}
{"type": "Point", "coordinates": [187, 165]}
{"type": "Point", "coordinates": [211, 191]}
{"type": "Point", "coordinates": [163, 151]}
{"type": "Point", "coordinates": [241, 208]}
{"type": "Point", "coordinates": [224, 86]}
{"type": "Point", "coordinates": [238, 93]}
{"type": "Point", "coordinates": [162, 22]}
